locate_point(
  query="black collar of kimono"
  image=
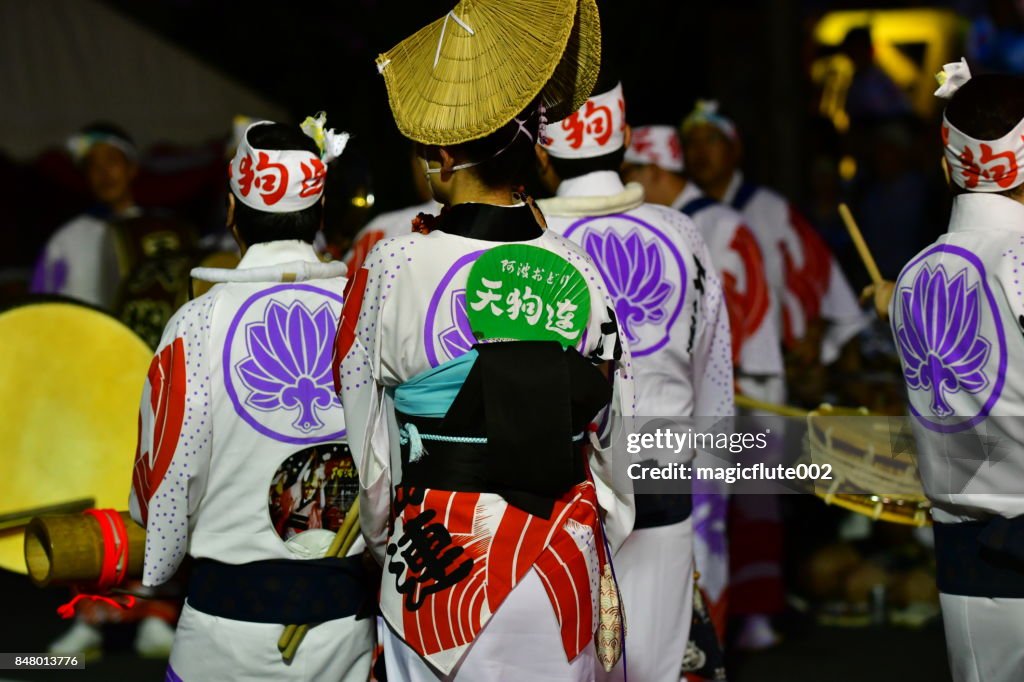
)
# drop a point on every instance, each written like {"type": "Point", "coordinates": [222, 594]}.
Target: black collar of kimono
{"type": "Point", "coordinates": [491, 223]}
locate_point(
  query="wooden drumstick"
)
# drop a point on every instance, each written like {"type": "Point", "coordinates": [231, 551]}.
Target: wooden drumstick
{"type": "Point", "coordinates": [342, 543]}
{"type": "Point", "coordinates": [862, 247]}
{"type": "Point", "coordinates": [301, 630]}
{"type": "Point", "coordinates": [749, 403]}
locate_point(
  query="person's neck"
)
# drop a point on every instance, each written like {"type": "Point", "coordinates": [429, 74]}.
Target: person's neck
{"type": "Point", "coordinates": [676, 185]}
{"type": "Point", "coordinates": [717, 188]}
{"type": "Point", "coordinates": [475, 193]}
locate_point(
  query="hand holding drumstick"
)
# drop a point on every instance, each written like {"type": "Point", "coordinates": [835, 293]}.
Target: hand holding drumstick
{"type": "Point", "coordinates": [880, 288]}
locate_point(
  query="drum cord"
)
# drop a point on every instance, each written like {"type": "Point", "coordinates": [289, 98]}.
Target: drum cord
{"type": "Point", "coordinates": [113, 566]}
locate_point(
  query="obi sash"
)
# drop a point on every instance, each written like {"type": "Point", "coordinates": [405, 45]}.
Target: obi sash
{"type": "Point", "coordinates": [282, 590]}
{"type": "Point", "coordinates": [498, 488]}
{"type": "Point", "coordinates": [981, 558]}
{"type": "Point", "coordinates": [481, 424]}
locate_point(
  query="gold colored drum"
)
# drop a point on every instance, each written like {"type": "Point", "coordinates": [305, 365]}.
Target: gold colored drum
{"type": "Point", "coordinates": [868, 477]}
{"type": "Point", "coordinates": [71, 383]}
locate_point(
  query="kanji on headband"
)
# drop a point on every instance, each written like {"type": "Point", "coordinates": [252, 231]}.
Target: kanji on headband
{"type": "Point", "coordinates": [284, 180]}
{"type": "Point", "coordinates": [979, 165]}
{"type": "Point", "coordinates": [657, 146]}
{"type": "Point", "coordinates": [596, 129]}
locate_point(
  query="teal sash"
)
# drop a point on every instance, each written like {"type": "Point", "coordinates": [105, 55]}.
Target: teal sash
{"type": "Point", "coordinates": [431, 393]}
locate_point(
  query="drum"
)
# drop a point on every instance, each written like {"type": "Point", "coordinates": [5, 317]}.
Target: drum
{"type": "Point", "coordinates": [872, 466]}
{"type": "Point", "coordinates": [871, 473]}
{"type": "Point", "coordinates": [72, 380]}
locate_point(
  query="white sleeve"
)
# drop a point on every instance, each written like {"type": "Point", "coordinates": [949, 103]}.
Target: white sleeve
{"type": "Point", "coordinates": [175, 441]}
{"type": "Point", "coordinates": [613, 487]}
{"type": "Point", "coordinates": [712, 353]}
{"type": "Point", "coordinates": [369, 415]}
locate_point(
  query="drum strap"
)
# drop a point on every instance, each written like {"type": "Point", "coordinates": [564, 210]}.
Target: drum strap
{"type": "Point", "coordinates": [981, 558]}
{"type": "Point", "coordinates": [281, 590]}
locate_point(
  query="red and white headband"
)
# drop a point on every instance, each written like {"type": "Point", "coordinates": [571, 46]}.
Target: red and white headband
{"type": "Point", "coordinates": [658, 146]}
{"type": "Point", "coordinates": [284, 180]}
{"type": "Point", "coordinates": [596, 129]}
{"type": "Point", "coordinates": [979, 165]}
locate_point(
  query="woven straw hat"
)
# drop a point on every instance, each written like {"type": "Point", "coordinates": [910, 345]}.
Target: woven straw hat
{"type": "Point", "coordinates": [470, 72]}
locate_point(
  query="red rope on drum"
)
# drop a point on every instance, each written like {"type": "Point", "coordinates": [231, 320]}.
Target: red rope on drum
{"type": "Point", "coordinates": [113, 567]}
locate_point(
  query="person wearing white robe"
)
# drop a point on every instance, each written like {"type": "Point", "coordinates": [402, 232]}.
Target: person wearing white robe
{"type": "Point", "coordinates": [680, 345]}
{"type": "Point", "coordinates": [238, 428]}
{"type": "Point", "coordinates": [493, 521]}
{"type": "Point", "coordinates": [805, 277]}
{"type": "Point", "coordinates": [80, 260]}
{"type": "Point", "coordinates": [956, 312]}
{"type": "Point", "coordinates": [655, 159]}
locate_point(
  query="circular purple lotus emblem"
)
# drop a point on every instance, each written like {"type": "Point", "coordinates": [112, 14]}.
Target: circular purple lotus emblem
{"type": "Point", "coordinates": [643, 271]}
{"type": "Point", "coordinates": [446, 332]}
{"type": "Point", "coordinates": [277, 364]}
{"type": "Point", "coordinates": [950, 339]}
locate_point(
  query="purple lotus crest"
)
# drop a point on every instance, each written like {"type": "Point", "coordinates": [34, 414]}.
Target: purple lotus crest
{"type": "Point", "coordinates": [634, 274]}
{"type": "Point", "coordinates": [940, 338]}
{"type": "Point", "coordinates": [289, 362]}
{"type": "Point", "coordinates": [458, 339]}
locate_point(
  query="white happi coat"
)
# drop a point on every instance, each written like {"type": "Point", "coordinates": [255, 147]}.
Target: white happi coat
{"type": "Point", "coordinates": [741, 262]}
{"type": "Point", "coordinates": [500, 621]}
{"type": "Point", "coordinates": [671, 307]}
{"type": "Point", "coordinates": [240, 384]}
{"type": "Point", "coordinates": [80, 261]}
{"type": "Point", "coordinates": [385, 226]}
{"type": "Point", "coordinates": [956, 316]}
{"type": "Point", "coordinates": [805, 276]}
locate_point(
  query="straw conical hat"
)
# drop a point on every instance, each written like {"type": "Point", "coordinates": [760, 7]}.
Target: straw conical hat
{"type": "Point", "coordinates": [470, 72]}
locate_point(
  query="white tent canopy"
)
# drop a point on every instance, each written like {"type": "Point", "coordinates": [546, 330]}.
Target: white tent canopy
{"type": "Point", "coordinates": [65, 63]}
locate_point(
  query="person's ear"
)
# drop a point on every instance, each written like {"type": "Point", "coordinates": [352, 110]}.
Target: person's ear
{"type": "Point", "coordinates": [945, 171]}
{"type": "Point", "coordinates": [447, 163]}
{"type": "Point", "coordinates": [323, 211]}
{"type": "Point", "coordinates": [627, 135]}
{"type": "Point", "coordinates": [229, 220]}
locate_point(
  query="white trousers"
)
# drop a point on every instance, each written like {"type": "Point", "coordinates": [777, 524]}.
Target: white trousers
{"type": "Point", "coordinates": [521, 642]}
{"type": "Point", "coordinates": [208, 648]}
{"type": "Point", "coordinates": [654, 567]}
{"type": "Point", "coordinates": [984, 638]}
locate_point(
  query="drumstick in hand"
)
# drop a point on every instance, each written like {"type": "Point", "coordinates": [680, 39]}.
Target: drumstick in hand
{"type": "Point", "coordinates": [880, 289]}
{"type": "Point", "coordinates": [862, 247]}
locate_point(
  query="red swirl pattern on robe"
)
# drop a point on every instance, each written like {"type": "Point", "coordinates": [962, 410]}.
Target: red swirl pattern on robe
{"type": "Point", "coordinates": [747, 308]}
{"type": "Point", "coordinates": [452, 617]}
{"type": "Point", "coordinates": [166, 386]}
{"type": "Point", "coordinates": [355, 289]}
{"type": "Point", "coordinates": [807, 283]}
